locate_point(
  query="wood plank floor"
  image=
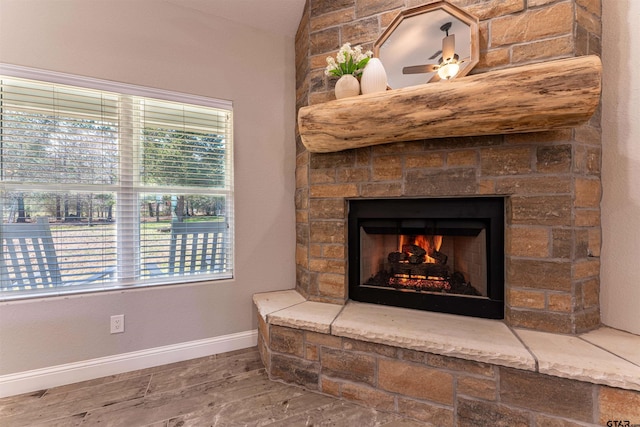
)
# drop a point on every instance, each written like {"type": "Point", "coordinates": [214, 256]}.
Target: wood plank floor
{"type": "Point", "coordinates": [230, 389]}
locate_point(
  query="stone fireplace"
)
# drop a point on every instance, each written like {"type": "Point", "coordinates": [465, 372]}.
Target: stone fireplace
{"type": "Point", "coordinates": [550, 180]}
{"type": "Point", "coordinates": [544, 363]}
{"type": "Point", "coordinates": [551, 187]}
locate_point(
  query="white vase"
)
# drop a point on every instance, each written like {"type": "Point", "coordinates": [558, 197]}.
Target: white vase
{"type": "Point", "coordinates": [347, 85]}
{"type": "Point", "coordinates": [374, 77]}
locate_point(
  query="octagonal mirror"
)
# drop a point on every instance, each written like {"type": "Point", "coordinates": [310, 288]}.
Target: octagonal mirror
{"type": "Point", "coordinates": [420, 42]}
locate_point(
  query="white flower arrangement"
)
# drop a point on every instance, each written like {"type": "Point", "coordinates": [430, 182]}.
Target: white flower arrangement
{"type": "Point", "coordinates": [348, 60]}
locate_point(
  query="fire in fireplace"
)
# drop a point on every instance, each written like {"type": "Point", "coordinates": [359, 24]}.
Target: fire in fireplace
{"type": "Point", "coordinates": [443, 255]}
{"type": "Point", "coordinates": [420, 266]}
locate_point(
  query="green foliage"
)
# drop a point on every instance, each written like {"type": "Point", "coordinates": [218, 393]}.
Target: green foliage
{"type": "Point", "coordinates": [179, 158]}
{"type": "Point", "coordinates": [348, 60]}
{"type": "Point", "coordinates": [349, 67]}
{"type": "Point", "coordinates": [42, 148]}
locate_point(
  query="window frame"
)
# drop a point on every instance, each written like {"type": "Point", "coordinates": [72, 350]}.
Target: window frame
{"type": "Point", "coordinates": [125, 91]}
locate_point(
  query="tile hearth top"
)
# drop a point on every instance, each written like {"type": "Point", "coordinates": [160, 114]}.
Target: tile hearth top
{"type": "Point", "coordinates": [605, 356]}
{"type": "Point", "coordinates": [309, 315]}
{"type": "Point", "coordinates": [573, 357]}
{"type": "Point", "coordinates": [621, 343]}
{"type": "Point", "coordinates": [469, 338]}
{"type": "Point", "coordinates": [271, 302]}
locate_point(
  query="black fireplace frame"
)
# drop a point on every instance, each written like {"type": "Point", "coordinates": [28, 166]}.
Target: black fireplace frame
{"type": "Point", "coordinates": [489, 210]}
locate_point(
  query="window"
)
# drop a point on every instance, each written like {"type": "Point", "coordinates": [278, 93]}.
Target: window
{"type": "Point", "coordinates": [103, 189]}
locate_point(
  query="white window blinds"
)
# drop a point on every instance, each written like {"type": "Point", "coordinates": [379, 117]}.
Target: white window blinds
{"type": "Point", "coordinates": [118, 188]}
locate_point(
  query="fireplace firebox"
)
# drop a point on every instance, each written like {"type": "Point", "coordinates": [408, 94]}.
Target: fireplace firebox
{"type": "Point", "coordinates": [436, 254]}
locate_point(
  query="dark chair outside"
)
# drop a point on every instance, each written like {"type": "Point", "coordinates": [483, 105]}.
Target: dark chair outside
{"type": "Point", "coordinates": [195, 248]}
{"type": "Point", "coordinates": [29, 258]}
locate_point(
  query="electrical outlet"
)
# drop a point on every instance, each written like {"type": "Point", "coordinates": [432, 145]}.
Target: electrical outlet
{"type": "Point", "coordinates": [117, 324]}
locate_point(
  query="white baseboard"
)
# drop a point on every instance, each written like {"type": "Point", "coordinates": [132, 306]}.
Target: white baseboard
{"type": "Point", "coordinates": [39, 379]}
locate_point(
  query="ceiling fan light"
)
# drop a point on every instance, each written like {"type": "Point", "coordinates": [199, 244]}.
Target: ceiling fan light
{"type": "Point", "coordinates": [449, 70]}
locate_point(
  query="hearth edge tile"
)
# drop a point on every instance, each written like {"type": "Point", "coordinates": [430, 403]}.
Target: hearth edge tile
{"type": "Point", "coordinates": [270, 302]}
{"type": "Point", "coordinates": [569, 356]}
{"type": "Point", "coordinates": [309, 315]}
{"type": "Point", "coordinates": [481, 340]}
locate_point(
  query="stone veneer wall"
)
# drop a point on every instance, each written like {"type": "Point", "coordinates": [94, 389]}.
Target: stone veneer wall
{"type": "Point", "coordinates": [551, 180]}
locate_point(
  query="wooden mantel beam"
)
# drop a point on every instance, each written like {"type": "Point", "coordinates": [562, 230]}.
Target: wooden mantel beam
{"type": "Point", "coordinates": [550, 95]}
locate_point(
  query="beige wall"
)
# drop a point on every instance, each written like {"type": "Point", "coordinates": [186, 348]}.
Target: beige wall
{"type": "Point", "coordinates": [620, 274]}
{"type": "Point", "coordinates": [153, 43]}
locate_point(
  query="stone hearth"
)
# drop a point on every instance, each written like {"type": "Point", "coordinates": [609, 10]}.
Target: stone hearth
{"type": "Point", "coordinates": [448, 370]}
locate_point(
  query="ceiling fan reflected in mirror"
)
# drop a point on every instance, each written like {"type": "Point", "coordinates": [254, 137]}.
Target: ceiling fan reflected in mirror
{"type": "Point", "coordinates": [448, 65]}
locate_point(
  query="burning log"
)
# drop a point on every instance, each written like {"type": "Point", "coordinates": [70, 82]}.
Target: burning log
{"type": "Point", "coordinates": [415, 259]}
{"type": "Point", "coordinates": [414, 250]}
{"type": "Point", "coordinates": [415, 254]}
{"type": "Point", "coordinates": [439, 257]}
{"type": "Point", "coordinates": [420, 284]}
{"type": "Point", "coordinates": [422, 270]}
{"type": "Point", "coordinates": [395, 257]}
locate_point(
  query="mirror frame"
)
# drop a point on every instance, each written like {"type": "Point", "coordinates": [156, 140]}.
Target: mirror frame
{"type": "Point", "coordinates": [452, 10]}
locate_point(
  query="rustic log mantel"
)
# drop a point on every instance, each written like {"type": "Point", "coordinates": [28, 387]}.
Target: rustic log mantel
{"type": "Point", "coordinates": [537, 97]}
